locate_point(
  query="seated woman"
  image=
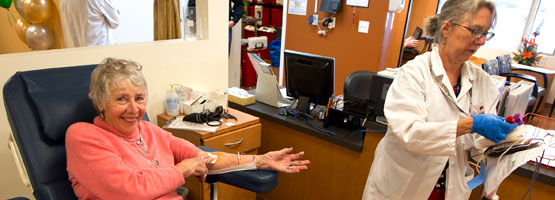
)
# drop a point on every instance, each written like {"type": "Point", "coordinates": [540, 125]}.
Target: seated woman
{"type": "Point", "coordinates": [122, 157]}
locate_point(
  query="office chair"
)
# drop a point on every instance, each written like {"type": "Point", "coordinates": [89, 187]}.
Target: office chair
{"type": "Point", "coordinates": [41, 104]}
{"type": "Point", "coordinates": [356, 91]}
{"type": "Point", "coordinates": [493, 67]}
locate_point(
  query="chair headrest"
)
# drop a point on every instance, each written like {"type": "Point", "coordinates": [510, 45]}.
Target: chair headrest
{"type": "Point", "coordinates": [61, 97]}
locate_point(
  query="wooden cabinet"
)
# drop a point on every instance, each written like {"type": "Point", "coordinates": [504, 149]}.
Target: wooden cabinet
{"type": "Point", "coordinates": [233, 136]}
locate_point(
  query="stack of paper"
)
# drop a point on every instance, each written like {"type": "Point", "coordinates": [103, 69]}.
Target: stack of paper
{"type": "Point", "coordinates": [517, 99]}
{"type": "Point", "coordinates": [178, 123]}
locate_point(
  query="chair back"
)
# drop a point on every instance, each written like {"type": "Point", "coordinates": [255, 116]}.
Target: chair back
{"type": "Point", "coordinates": [357, 85]}
{"type": "Point", "coordinates": [491, 67]}
{"type": "Point", "coordinates": [504, 63]}
{"type": "Point", "coordinates": [40, 105]}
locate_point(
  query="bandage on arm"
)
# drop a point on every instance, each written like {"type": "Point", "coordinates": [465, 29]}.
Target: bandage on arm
{"type": "Point", "coordinates": [238, 167]}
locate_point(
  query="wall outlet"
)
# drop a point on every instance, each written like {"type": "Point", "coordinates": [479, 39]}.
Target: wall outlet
{"type": "Point", "coordinates": [331, 25]}
{"type": "Point", "coordinates": [315, 20]}
{"type": "Point", "coordinates": [363, 26]}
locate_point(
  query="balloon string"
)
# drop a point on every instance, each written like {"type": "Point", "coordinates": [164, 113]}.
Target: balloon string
{"type": "Point", "coordinates": [10, 19]}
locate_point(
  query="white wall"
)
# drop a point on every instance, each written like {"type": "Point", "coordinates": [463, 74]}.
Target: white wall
{"type": "Point", "coordinates": [198, 64]}
{"type": "Point", "coordinates": [136, 21]}
{"type": "Point", "coordinates": [547, 61]}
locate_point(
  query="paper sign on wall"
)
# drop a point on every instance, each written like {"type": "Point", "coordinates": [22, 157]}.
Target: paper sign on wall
{"type": "Point", "coordinates": [358, 3]}
{"type": "Point", "coordinates": [297, 7]}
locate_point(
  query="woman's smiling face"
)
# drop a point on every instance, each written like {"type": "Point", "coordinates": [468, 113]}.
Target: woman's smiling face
{"type": "Point", "coordinates": [125, 107]}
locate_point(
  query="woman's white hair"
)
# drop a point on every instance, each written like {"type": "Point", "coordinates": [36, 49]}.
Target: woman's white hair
{"type": "Point", "coordinates": [108, 75]}
{"type": "Point", "coordinates": [457, 11]}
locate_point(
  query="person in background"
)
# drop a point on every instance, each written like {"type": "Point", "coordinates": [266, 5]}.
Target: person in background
{"type": "Point", "coordinates": [102, 18]}
{"type": "Point", "coordinates": [437, 105]}
{"type": "Point", "coordinates": [73, 17]}
{"type": "Point", "coordinates": [120, 156]}
{"type": "Point", "coordinates": [236, 10]}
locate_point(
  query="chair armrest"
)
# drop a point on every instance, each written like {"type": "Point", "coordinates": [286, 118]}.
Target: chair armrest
{"type": "Point", "coordinates": [524, 77]}
{"type": "Point", "coordinates": [18, 161]}
{"type": "Point", "coordinates": [539, 73]}
{"type": "Point", "coordinates": [259, 181]}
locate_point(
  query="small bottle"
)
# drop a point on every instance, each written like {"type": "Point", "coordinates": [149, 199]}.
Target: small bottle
{"type": "Point", "coordinates": [172, 103]}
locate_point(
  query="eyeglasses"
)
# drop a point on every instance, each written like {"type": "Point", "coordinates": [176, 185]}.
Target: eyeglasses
{"type": "Point", "coordinates": [477, 33]}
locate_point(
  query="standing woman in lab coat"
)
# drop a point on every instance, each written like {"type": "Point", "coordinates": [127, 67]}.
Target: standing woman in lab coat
{"type": "Point", "coordinates": [436, 106]}
{"type": "Point", "coordinates": [102, 19]}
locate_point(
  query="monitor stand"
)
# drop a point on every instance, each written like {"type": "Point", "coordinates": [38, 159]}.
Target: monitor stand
{"type": "Point", "coordinates": [303, 104]}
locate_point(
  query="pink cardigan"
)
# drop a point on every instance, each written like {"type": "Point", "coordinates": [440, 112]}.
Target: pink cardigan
{"type": "Point", "coordinates": [103, 163]}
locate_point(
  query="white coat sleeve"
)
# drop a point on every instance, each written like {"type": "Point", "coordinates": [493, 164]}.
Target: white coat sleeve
{"type": "Point", "coordinates": [110, 13]}
{"type": "Point", "coordinates": [406, 110]}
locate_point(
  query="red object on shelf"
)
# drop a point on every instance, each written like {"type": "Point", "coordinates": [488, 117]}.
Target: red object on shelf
{"type": "Point", "coordinates": [265, 16]}
{"type": "Point", "coordinates": [277, 15]}
{"type": "Point", "coordinates": [248, 74]}
{"type": "Point", "coordinates": [248, 34]}
{"type": "Point", "coordinates": [251, 10]}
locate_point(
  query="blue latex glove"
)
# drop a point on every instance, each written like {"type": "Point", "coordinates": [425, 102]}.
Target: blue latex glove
{"type": "Point", "coordinates": [492, 127]}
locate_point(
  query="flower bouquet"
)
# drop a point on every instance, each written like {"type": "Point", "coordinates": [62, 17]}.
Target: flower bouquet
{"type": "Point", "coordinates": [527, 54]}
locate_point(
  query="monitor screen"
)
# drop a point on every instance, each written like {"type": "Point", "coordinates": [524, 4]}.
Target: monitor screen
{"type": "Point", "coordinates": [309, 77]}
{"type": "Point", "coordinates": [417, 35]}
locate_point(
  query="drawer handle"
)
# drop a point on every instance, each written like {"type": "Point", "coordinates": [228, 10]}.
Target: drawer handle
{"type": "Point", "coordinates": [234, 143]}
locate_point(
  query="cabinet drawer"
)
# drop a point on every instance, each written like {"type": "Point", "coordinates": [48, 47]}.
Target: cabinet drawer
{"type": "Point", "coordinates": [239, 140]}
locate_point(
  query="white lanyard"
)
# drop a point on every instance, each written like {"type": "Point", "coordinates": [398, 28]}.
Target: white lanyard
{"type": "Point", "coordinates": [445, 92]}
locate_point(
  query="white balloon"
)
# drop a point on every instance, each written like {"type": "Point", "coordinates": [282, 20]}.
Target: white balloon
{"type": "Point", "coordinates": [39, 37]}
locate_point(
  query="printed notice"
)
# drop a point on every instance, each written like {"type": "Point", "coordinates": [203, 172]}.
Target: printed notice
{"type": "Point", "coordinates": [297, 7]}
{"type": "Point", "coordinates": [358, 3]}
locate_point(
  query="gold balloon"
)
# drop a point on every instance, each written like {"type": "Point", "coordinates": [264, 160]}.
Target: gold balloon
{"type": "Point", "coordinates": [18, 4]}
{"type": "Point", "coordinates": [36, 11]}
{"type": "Point", "coordinates": [39, 37]}
{"type": "Point", "coordinates": [21, 29]}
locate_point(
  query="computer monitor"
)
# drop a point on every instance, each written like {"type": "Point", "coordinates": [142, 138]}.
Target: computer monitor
{"type": "Point", "coordinates": [309, 78]}
{"type": "Point", "coordinates": [378, 92]}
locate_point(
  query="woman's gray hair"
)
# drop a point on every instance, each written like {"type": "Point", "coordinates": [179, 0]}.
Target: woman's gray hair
{"type": "Point", "coordinates": [457, 11]}
{"type": "Point", "coordinates": [108, 75]}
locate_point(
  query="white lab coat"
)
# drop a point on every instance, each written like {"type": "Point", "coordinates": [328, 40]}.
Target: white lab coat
{"type": "Point", "coordinates": [73, 18]}
{"type": "Point", "coordinates": [102, 16]}
{"type": "Point", "coordinates": [421, 136]}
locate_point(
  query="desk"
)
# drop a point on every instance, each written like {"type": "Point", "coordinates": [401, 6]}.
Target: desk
{"type": "Point", "coordinates": [337, 171]}
{"type": "Point", "coordinates": [246, 136]}
{"type": "Point", "coordinates": [534, 71]}
{"type": "Point", "coordinates": [338, 168]}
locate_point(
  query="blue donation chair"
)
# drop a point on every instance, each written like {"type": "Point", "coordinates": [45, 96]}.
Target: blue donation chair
{"type": "Point", "coordinates": [41, 104]}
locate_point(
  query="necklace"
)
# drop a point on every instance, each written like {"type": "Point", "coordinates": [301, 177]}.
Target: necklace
{"type": "Point", "coordinates": [144, 149]}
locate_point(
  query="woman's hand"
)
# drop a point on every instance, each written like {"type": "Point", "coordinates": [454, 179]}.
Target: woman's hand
{"type": "Point", "coordinates": [196, 166]}
{"type": "Point", "coordinates": [282, 161]}
{"type": "Point", "coordinates": [410, 42]}
{"type": "Point", "coordinates": [492, 127]}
